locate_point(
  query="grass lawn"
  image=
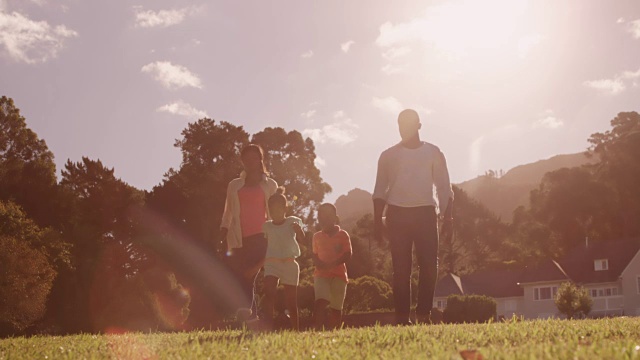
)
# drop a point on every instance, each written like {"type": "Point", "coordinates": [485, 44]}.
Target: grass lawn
{"type": "Point", "coordinates": [617, 338]}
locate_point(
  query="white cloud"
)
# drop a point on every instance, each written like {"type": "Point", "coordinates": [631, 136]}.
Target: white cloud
{"type": "Point", "coordinates": [319, 162]}
{"type": "Point", "coordinates": [309, 114]}
{"type": "Point", "coordinates": [396, 52]}
{"type": "Point", "coordinates": [631, 74]}
{"type": "Point", "coordinates": [620, 20]}
{"type": "Point", "coordinates": [607, 86]}
{"type": "Point", "coordinates": [525, 44]}
{"type": "Point", "coordinates": [31, 41]}
{"type": "Point", "coordinates": [341, 132]}
{"type": "Point", "coordinates": [183, 109]}
{"type": "Point", "coordinates": [634, 28]}
{"type": "Point", "coordinates": [346, 46]}
{"type": "Point", "coordinates": [391, 69]}
{"type": "Point", "coordinates": [547, 120]}
{"type": "Point", "coordinates": [307, 54]}
{"type": "Point", "coordinates": [389, 104]}
{"type": "Point", "coordinates": [338, 114]}
{"type": "Point", "coordinates": [161, 18]}
{"type": "Point", "coordinates": [455, 28]}
{"type": "Point", "coordinates": [615, 85]}
{"type": "Point", "coordinates": [172, 76]}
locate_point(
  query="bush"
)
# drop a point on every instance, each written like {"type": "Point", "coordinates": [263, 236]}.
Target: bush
{"type": "Point", "coordinates": [469, 309]}
{"type": "Point", "coordinates": [149, 301]}
{"type": "Point", "coordinates": [367, 293]}
{"type": "Point", "coordinates": [573, 301]}
{"type": "Point", "coordinates": [26, 278]}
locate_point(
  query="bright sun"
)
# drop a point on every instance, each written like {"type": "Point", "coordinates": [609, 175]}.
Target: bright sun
{"type": "Point", "coordinates": [461, 27]}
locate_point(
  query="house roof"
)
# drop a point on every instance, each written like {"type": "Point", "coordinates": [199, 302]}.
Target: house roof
{"type": "Point", "coordinates": [547, 270]}
{"type": "Point", "coordinates": [449, 285]}
{"type": "Point", "coordinates": [579, 262]}
{"type": "Point", "coordinates": [494, 283]}
{"type": "Point", "coordinates": [577, 265]}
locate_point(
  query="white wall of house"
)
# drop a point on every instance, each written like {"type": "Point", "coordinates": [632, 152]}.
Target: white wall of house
{"type": "Point", "coordinates": [509, 306]}
{"type": "Point", "coordinates": [607, 299]}
{"type": "Point", "coordinates": [538, 302]}
{"type": "Point", "coordinates": [630, 280]}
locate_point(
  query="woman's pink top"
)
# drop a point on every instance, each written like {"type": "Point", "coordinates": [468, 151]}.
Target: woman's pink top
{"type": "Point", "coordinates": [253, 212]}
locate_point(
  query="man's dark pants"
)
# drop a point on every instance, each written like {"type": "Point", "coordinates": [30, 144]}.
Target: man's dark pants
{"type": "Point", "coordinates": [409, 227]}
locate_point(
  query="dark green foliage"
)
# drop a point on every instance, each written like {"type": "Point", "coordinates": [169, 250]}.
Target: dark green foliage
{"type": "Point", "coordinates": [478, 239]}
{"type": "Point", "coordinates": [367, 293]}
{"type": "Point", "coordinates": [27, 170]}
{"type": "Point", "coordinates": [26, 273]}
{"type": "Point", "coordinates": [573, 301]}
{"type": "Point", "coordinates": [150, 301]}
{"type": "Point", "coordinates": [469, 309]}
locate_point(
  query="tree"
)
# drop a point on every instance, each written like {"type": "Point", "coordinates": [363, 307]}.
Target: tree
{"type": "Point", "coordinates": [478, 238]}
{"type": "Point", "coordinates": [291, 161]}
{"type": "Point", "coordinates": [367, 293]}
{"type": "Point", "coordinates": [27, 169]}
{"type": "Point", "coordinates": [618, 150]}
{"type": "Point", "coordinates": [192, 197]}
{"type": "Point", "coordinates": [573, 301]}
{"type": "Point", "coordinates": [574, 204]}
{"type": "Point", "coordinates": [25, 271]}
{"type": "Point", "coordinates": [104, 238]}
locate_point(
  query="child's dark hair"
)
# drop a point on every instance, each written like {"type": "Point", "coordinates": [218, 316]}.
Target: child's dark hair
{"type": "Point", "coordinates": [257, 149]}
{"type": "Point", "coordinates": [328, 207]}
{"type": "Point", "coordinates": [278, 198]}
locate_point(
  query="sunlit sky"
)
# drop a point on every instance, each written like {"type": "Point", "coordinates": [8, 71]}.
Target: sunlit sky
{"type": "Point", "coordinates": [497, 83]}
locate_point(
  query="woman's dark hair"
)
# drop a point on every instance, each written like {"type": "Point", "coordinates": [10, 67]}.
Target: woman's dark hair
{"type": "Point", "coordinates": [278, 198]}
{"type": "Point", "coordinates": [257, 149]}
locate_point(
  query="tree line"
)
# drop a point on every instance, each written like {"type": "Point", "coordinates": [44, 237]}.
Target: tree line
{"type": "Point", "coordinates": [90, 253]}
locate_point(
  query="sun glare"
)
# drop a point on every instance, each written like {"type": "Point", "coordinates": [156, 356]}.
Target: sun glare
{"type": "Point", "coordinates": [461, 27]}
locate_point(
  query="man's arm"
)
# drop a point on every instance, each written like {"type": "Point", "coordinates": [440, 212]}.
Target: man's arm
{"type": "Point", "coordinates": [444, 191]}
{"type": "Point", "coordinates": [379, 199]}
{"type": "Point", "coordinates": [378, 225]}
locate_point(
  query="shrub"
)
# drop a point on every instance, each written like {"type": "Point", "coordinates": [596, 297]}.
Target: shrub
{"type": "Point", "coordinates": [152, 300]}
{"type": "Point", "coordinates": [573, 301]}
{"type": "Point", "coordinates": [26, 278]}
{"type": "Point", "coordinates": [367, 293]}
{"type": "Point", "coordinates": [469, 309]}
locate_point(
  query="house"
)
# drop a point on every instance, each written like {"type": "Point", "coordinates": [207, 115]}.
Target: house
{"type": "Point", "coordinates": [610, 271]}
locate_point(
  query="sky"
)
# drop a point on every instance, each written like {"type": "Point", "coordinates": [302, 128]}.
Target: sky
{"type": "Point", "coordinates": [497, 83]}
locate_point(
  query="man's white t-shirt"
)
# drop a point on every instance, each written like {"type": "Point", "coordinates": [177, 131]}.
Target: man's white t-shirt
{"type": "Point", "coordinates": [413, 177]}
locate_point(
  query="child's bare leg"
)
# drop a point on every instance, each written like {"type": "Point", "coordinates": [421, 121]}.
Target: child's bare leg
{"type": "Point", "coordinates": [320, 313]}
{"type": "Point", "coordinates": [270, 289]}
{"type": "Point", "coordinates": [291, 301]}
{"type": "Point", "coordinates": [335, 318]}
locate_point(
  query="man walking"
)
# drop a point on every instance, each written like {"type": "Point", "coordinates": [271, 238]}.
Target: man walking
{"type": "Point", "coordinates": [408, 172]}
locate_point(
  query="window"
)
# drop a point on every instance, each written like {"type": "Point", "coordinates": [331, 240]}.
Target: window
{"type": "Point", "coordinates": [545, 293]}
{"type": "Point", "coordinates": [601, 264]}
{"type": "Point", "coordinates": [603, 292]}
{"type": "Point", "coordinates": [441, 304]}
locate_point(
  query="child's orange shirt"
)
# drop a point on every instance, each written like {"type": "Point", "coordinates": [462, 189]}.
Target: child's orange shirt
{"type": "Point", "coordinates": [329, 249]}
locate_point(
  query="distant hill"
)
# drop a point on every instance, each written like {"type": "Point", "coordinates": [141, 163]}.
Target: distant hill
{"type": "Point", "coordinates": [353, 206]}
{"type": "Point", "coordinates": [504, 194]}
{"type": "Point", "coordinates": [501, 195]}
